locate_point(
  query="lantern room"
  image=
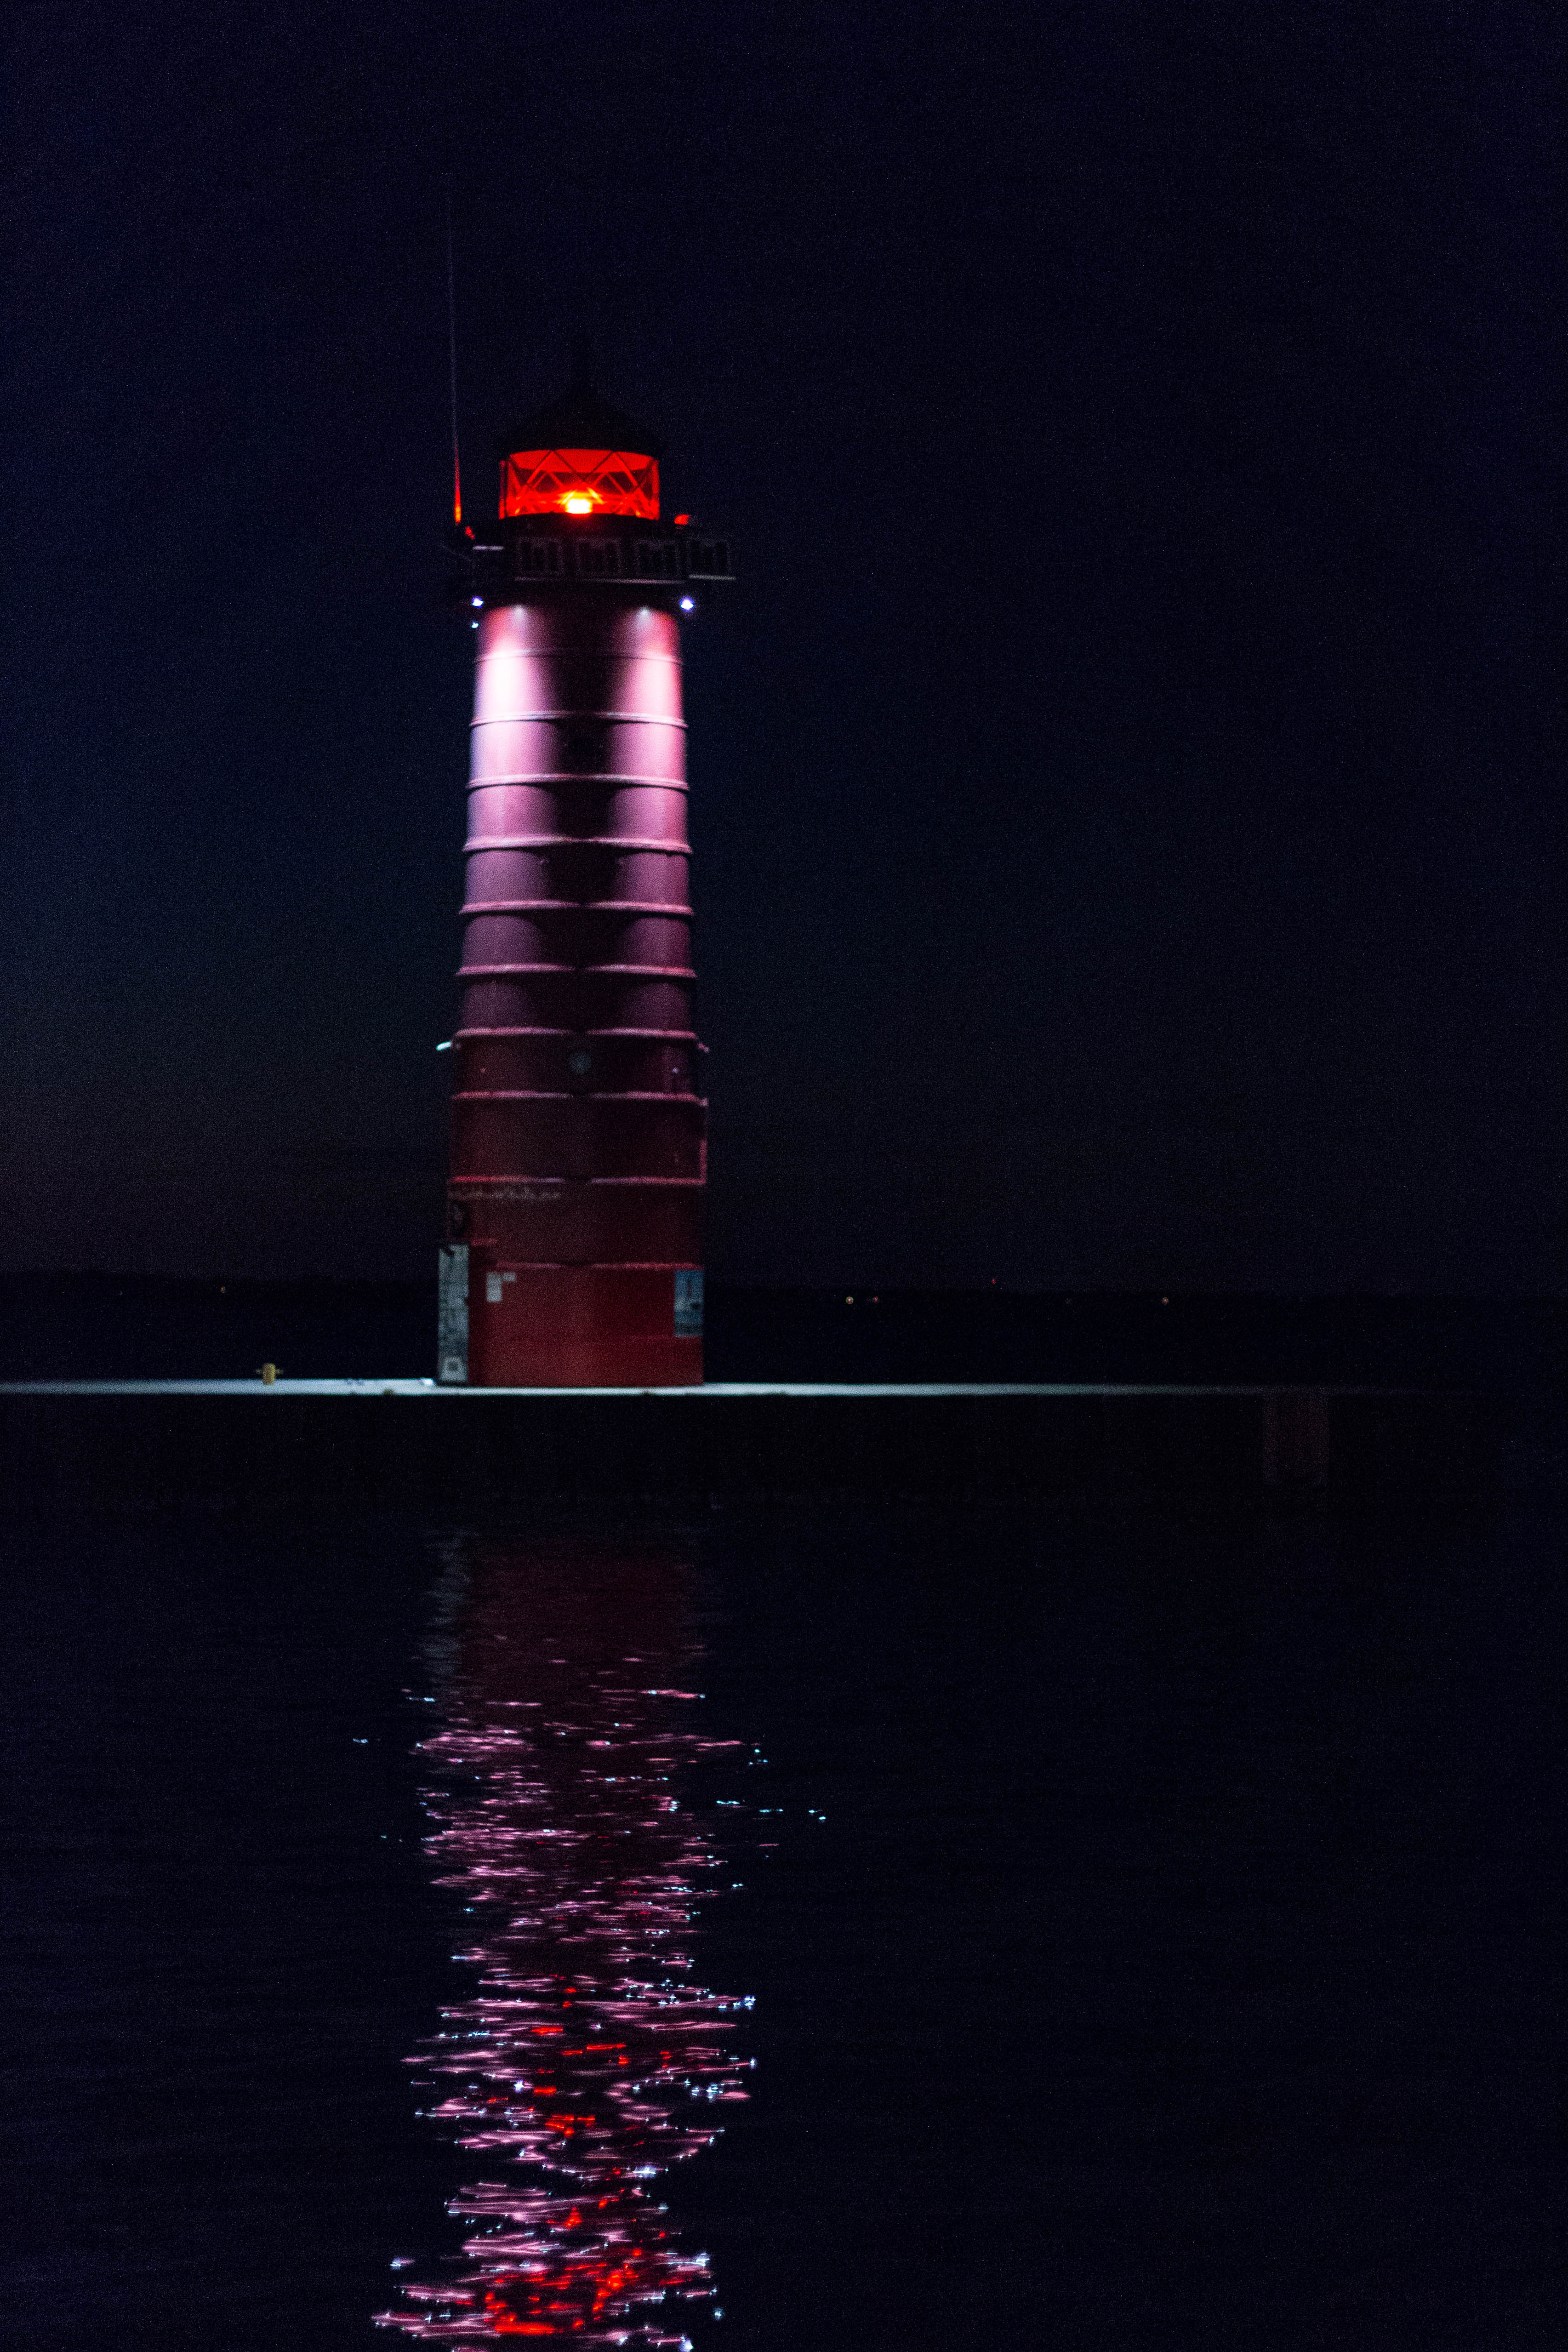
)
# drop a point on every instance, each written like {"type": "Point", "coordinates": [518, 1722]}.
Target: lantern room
{"type": "Point", "coordinates": [579, 455]}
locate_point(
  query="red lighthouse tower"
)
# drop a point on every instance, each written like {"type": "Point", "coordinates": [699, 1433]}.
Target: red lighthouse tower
{"type": "Point", "coordinates": [573, 1255]}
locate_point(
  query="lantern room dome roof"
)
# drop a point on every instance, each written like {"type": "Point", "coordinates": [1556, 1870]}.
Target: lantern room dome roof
{"type": "Point", "coordinates": [580, 419]}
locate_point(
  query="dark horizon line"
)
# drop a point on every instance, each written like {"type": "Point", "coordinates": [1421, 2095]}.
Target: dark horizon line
{"type": "Point", "coordinates": [857, 1294]}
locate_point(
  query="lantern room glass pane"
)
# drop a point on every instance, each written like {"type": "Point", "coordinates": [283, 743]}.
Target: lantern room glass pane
{"type": "Point", "coordinates": [579, 481]}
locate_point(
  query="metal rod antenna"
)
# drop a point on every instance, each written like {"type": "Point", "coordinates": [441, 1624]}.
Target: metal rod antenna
{"type": "Point", "coordinates": [452, 365]}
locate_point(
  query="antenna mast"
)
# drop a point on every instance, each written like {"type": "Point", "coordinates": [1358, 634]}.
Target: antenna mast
{"type": "Point", "coordinates": [452, 365]}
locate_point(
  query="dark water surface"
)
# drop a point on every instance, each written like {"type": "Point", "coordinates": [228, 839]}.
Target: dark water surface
{"type": "Point", "coordinates": [1151, 1930]}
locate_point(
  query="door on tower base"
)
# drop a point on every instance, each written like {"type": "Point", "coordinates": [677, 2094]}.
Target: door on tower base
{"type": "Point", "coordinates": [452, 1324]}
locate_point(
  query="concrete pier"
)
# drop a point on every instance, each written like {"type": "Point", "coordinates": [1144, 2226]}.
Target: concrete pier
{"type": "Point", "coordinates": [408, 1441]}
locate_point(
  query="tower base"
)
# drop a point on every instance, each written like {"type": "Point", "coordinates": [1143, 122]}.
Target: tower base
{"type": "Point", "coordinates": [569, 1326]}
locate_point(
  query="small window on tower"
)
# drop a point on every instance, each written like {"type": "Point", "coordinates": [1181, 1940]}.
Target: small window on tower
{"type": "Point", "coordinates": [707, 559]}
{"type": "Point", "coordinates": [536, 556]}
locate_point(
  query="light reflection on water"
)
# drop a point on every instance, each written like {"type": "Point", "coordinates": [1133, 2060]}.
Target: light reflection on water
{"type": "Point", "coordinates": [566, 1811]}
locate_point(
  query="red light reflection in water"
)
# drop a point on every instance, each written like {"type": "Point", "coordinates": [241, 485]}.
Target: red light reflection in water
{"type": "Point", "coordinates": [589, 2061]}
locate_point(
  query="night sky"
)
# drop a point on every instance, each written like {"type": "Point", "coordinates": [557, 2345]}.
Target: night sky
{"type": "Point", "coordinates": [1125, 793]}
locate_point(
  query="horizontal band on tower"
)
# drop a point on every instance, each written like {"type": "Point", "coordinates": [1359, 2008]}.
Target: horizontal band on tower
{"type": "Point", "coordinates": [524, 1029]}
{"type": "Point", "coordinates": [467, 1183]}
{"type": "Point", "coordinates": [575, 841]}
{"type": "Point", "coordinates": [598, 651]}
{"type": "Point", "coordinates": [597, 1266]}
{"type": "Point", "coordinates": [574, 906]}
{"type": "Point", "coordinates": [693, 1183]}
{"type": "Point", "coordinates": [571, 718]}
{"type": "Point", "coordinates": [620, 970]}
{"type": "Point", "coordinates": [572, 1094]}
{"type": "Point", "coordinates": [594, 776]}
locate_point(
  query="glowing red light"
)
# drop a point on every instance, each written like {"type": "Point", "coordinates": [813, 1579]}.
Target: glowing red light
{"type": "Point", "coordinates": [581, 481]}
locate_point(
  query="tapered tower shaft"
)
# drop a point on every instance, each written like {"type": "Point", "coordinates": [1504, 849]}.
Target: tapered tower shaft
{"type": "Point", "coordinates": [577, 1127]}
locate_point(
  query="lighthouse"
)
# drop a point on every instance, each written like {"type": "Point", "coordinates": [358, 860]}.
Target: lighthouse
{"type": "Point", "coordinates": [573, 1248]}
